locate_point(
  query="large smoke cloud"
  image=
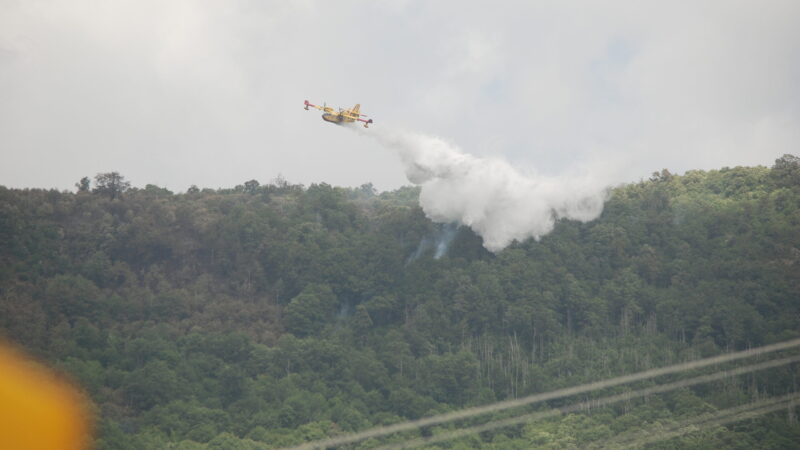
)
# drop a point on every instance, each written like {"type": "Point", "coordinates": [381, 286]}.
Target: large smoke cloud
{"type": "Point", "coordinates": [497, 201]}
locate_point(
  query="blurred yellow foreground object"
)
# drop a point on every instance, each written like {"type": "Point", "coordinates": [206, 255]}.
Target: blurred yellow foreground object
{"type": "Point", "coordinates": [38, 410]}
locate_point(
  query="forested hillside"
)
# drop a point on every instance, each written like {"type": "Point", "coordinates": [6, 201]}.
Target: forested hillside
{"type": "Point", "coordinates": [270, 315]}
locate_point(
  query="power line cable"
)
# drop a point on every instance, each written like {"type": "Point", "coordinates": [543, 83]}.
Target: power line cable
{"type": "Point", "coordinates": [538, 398]}
{"type": "Point", "coordinates": [596, 403]}
{"type": "Point", "coordinates": [649, 432]}
{"type": "Point", "coordinates": [725, 417]}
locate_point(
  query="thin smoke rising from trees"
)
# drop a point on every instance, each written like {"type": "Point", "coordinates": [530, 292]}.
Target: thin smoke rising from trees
{"type": "Point", "coordinates": [496, 200]}
{"type": "Point", "coordinates": [439, 243]}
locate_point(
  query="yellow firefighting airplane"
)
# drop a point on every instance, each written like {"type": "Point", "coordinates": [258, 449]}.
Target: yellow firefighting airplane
{"type": "Point", "coordinates": [343, 116]}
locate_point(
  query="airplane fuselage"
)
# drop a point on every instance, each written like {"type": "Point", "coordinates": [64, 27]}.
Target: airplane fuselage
{"type": "Point", "coordinates": [343, 116]}
{"type": "Point", "coordinates": [336, 118]}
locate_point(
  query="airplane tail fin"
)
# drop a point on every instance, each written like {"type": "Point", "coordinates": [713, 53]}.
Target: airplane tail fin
{"type": "Point", "coordinates": [355, 109]}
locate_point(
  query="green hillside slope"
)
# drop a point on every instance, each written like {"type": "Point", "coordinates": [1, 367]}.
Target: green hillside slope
{"type": "Point", "coordinates": [266, 316]}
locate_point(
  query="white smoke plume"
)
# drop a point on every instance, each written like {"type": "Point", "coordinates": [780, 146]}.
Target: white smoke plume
{"type": "Point", "coordinates": [497, 201]}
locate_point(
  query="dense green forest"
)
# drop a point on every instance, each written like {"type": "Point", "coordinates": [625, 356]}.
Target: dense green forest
{"type": "Point", "coordinates": [270, 315]}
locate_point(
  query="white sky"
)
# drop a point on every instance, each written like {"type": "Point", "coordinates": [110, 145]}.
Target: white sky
{"type": "Point", "coordinates": [210, 93]}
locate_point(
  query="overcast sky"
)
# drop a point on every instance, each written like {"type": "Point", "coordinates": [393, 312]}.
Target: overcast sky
{"type": "Point", "coordinates": [210, 93]}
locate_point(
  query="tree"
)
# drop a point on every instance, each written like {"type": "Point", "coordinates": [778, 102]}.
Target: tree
{"type": "Point", "coordinates": [362, 323]}
{"type": "Point", "coordinates": [658, 177]}
{"type": "Point", "coordinates": [83, 185]}
{"type": "Point", "coordinates": [228, 441]}
{"type": "Point", "coordinates": [111, 184]}
{"type": "Point", "coordinates": [150, 385]}
{"type": "Point", "coordinates": [367, 190]}
{"type": "Point", "coordinates": [786, 171]}
{"type": "Point", "coordinates": [383, 309]}
{"type": "Point", "coordinates": [307, 312]}
{"type": "Point", "coordinates": [72, 295]}
{"type": "Point", "coordinates": [251, 187]}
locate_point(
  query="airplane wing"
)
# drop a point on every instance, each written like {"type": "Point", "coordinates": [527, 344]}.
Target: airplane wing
{"type": "Point", "coordinates": [354, 114]}
{"type": "Point", "coordinates": [326, 109]}
{"type": "Point", "coordinates": [351, 113]}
